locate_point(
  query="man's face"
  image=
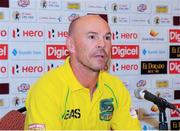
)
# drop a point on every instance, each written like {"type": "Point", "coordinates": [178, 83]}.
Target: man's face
{"type": "Point", "coordinates": [92, 43]}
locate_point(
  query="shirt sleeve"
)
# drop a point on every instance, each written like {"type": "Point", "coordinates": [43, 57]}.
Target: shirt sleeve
{"type": "Point", "coordinates": [124, 117]}
{"type": "Point", "coordinates": [43, 109]}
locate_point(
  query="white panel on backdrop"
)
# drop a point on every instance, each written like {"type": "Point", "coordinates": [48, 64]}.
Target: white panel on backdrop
{"type": "Point", "coordinates": [27, 32]}
{"type": "Point", "coordinates": [160, 51]}
{"type": "Point", "coordinates": [140, 19]}
{"type": "Point", "coordinates": [49, 4]}
{"type": "Point", "coordinates": [128, 34]}
{"type": "Point", "coordinates": [154, 34]}
{"type": "Point", "coordinates": [56, 33]}
{"type": "Point", "coordinates": [32, 51]}
{"type": "Point", "coordinates": [21, 86]}
{"type": "Point", "coordinates": [122, 19]}
{"type": "Point", "coordinates": [96, 6]}
{"type": "Point", "coordinates": [119, 6]}
{"type": "Point", "coordinates": [4, 101]}
{"type": "Point", "coordinates": [23, 15]}
{"type": "Point", "coordinates": [29, 4]}
{"type": "Point", "coordinates": [26, 69]}
{"type": "Point", "coordinates": [128, 67]}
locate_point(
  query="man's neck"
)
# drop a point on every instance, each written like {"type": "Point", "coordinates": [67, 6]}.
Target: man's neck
{"type": "Point", "coordinates": [87, 77]}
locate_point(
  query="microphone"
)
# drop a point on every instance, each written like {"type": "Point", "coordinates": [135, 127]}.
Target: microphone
{"type": "Point", "coordinates": [159, 101]}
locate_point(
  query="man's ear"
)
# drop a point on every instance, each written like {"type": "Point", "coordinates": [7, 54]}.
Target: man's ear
{"type": "Point", "coordinates": [70, 44]}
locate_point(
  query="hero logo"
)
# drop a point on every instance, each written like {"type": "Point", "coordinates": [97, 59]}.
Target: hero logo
{"type": "Point", "coordinates": [174, 36]}
{"type": "Point", "coordinates": [52, 34]}
{"type": "Point", "coordinates": [56, 52]}
{"type": "Point", "coordinates": [124, 67]}
{"type": "Point", "coordinates": [28, 33]}
{"type": "Point", "coordinates": [3, 33]}
{"type": "Point", "coordinates": [26, 69]}
{"type": "Point", "coordinates": [174, 113]}
{"type": "Point", "coordinates": [174, 67]}
{"type": "Point", "coordinates": [3, 51]}
{"type": "Point", "coordinates": [124, 36]}
{"type": "Point", "coordinates": [125, 51]}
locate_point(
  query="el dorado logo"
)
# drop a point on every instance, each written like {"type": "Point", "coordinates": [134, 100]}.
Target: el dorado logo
{"type": "Point", "coordinates": [174, 52]}
{"type": "Point", "coordinates": [153, 67]}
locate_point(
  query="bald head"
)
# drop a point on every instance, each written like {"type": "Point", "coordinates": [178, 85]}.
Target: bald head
{"type": "Point", "coordinates": [84, 19]}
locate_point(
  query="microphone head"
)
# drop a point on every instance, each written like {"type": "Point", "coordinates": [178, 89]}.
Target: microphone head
{"type": "Point", "coordinates": [139, 93]}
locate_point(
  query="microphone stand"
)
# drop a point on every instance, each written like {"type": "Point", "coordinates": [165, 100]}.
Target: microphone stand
{"type": "Point", "coordinates": [163, 125]}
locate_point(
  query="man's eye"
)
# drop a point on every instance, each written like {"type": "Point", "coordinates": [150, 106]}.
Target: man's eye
{"type": "Point", "coordinates": [108, 37]}
{"type": "Point", "coordinates": [91, 37]}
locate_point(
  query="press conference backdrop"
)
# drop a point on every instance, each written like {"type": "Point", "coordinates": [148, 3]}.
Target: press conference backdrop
{"type": "Point", "coordinates": [145, 51]}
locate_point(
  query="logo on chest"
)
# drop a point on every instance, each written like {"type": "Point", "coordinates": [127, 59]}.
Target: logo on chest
{"type": "Point", "coordinates": [106, 109]}
{"type": "Point", "coordinates": [72, 113]}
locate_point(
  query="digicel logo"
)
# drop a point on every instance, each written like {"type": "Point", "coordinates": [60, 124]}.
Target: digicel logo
{"type": "Point", "coordinates": [174, 113]}
{"type": "Point", "coordinates": [125, 51]}
{"type": "Point", "coordinates": [3, 51]}
{"type": "Point", "coordinates": [174, 36]}
{"type": "Point", "coordinates": [174, 67]}
{"type": "Point", "coordinates": [56, 52]}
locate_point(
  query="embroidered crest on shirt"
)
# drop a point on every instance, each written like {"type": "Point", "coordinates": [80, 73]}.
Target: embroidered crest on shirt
{"type": "Point", "coordinates": [106, 109]}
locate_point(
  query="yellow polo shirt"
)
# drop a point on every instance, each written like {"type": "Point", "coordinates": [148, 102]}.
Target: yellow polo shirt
{"type": "Point", "coordinates": [58, 101]}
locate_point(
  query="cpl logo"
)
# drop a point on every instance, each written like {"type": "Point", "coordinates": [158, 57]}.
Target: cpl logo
{"type": "Point", "coordinates": [141, 83]}
{"type": "Point", "coordinates": [23, 3]}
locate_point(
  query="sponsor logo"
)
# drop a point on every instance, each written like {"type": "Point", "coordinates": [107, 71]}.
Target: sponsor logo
{"type": "Point", "coordinates": [176, 94]}
{"type": "Point", "coordinates": [174, 35]}
{"type": "Point", "coordinates": [174, 67]}
{"type": "Point", "coordinates": [4, 3]}
{"type": "Point", "coordinates": [24, 87]}
{"type": "Point", "coordinates": [54, 34]}
{"type": "Point", "coordinates": [141, 83]}
{"type": "Point", "coordinates": [51, 66]}
{"type": "Point", "coordinates": [56, 52]}
{"type": "Point", "coordinates": [141, 7]}
{"type": "Point", "coordinates": [176, 20]}
{"type": "Point", "coordinates": [72, 114]}
{"type": "Point", "coordinates": [121, 67]}
{"type": "Point", "coordinates": [3, 51]}
{"type": "Point", "coordinates": [174, 113]}
{"type": "Point", "coordinates": [162, 20]}
{"type": "Point", "coordinates": [50, 4]}
{"type": "Point", "coordinates": [125, 36]}
{"type": "Point", "coordinates": [27, 33]}
{"type": "Point", "coordinates": [174, 52]}
{"type": "Point", "coordinates": [4, 88]}
{"type": "Point", "coordinates": [153, 33]}
{"type": "Point", "coordinates": [26, 69]}
{"type": "Point", "coordinates": [18, 101]}
{"type": "Point", "coordinates": [120, 19]}
{"type": "Point", "coordinates": [73, 5]}
{"type": "Point", "coordinates": [162, 83]}
{"type": "Point", "coordinates": [125, 51]}
{"type": "Point", "coordinates": [120, 7]}
{"type": "Point", "coordinates": [96, 6]}
{"type": "Point", "coordinates": [25, 16]}
{"type": "Point", "coordinates": [23, 3]}
{"type": "Point", "coordinates": [153, 67]}
{"type": "Point", "coordinates": [175, 124]}
{"type": "Point", "coordinates": [162, 9]}
{"type": "Point", "coordinates": [149, 52]}
{"type": "Point", "coordinates": [106, 109]}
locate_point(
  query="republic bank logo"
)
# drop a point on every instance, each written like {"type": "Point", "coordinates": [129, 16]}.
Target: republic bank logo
{"type": "Point", "coordinates": [14, 52]}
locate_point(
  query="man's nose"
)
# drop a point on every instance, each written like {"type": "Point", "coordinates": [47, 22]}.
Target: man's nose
{"type": "Point", "coordinates": [101, 43]}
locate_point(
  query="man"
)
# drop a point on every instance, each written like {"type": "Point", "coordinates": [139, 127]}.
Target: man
{"type": "Point", "coordinates": [79, 94]}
